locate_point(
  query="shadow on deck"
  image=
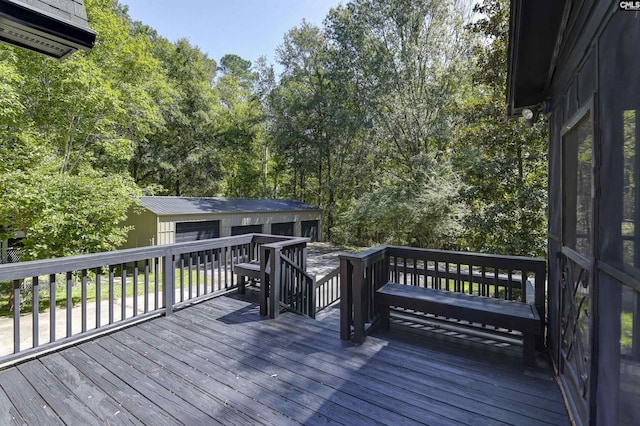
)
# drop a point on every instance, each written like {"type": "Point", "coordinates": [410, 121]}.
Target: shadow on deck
{"type": "Point", "coordinates": [220, 362]}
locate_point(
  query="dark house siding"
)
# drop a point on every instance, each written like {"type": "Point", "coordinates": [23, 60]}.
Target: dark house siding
{"type": "Point", "coordinates": [594, 290]}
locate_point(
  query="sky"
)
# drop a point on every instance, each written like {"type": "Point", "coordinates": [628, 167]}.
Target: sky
{"type": "Point", "coordinates": [247, 28]}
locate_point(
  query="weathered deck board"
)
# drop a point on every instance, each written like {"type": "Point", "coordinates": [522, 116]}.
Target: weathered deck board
{"type": "Point", "coordinates": [8, 413]}
{"type": "Point", "coordinates": [424, 380]}
{"type": "Point", "coordinates": [104, 407]}
{"type": "Point", "coordinates": [27, 402]}
{"type": "Point", "coordinates": [403, 370]}
{"type": "Point", "coordinates": [220, 362]}
{"type": "Point", "coordinates": [250, 382]}
{"type": "Point", "coordinates": [366, 403]}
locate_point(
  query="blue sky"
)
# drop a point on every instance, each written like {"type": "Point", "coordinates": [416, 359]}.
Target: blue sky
{"type": "Point", "coordinates": [248, 28]}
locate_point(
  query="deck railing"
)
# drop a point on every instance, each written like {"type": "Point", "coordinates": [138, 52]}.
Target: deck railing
{"type": "Point", "coordinates": [328, 290]}
{"type": "Point", "coordinates": [284, 281]}
{"type": "Point", "coordinates": [504, 277]}
{"type": "Point", "coordinates": [59, 301]}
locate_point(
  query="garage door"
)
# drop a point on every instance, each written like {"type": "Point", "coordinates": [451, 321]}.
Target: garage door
{"type": "Point", "coordinates": [310, 229]}
{"type": "Point", "coordinates": [193, 231]}
{"type": "Point", "coordinates": [246, 229]}
{"type": "Point", "coordinates": [284, 228]}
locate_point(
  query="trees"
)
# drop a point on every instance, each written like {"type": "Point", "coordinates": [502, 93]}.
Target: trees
{"type": "Point", "coordinates": [503, 162]}
{"type": "Point", "coordinates": [402, 61]}
{"type": "Point", "coordinates": [65, 148]}
{"type": "Point", "coordinates": [390, 117]}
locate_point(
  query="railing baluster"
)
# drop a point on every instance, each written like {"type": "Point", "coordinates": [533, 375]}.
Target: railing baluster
{"type": "Point", "coordinates": [135, 288]}
{"type": "Point", "coordinates": [16, 316]}
{"type": "Point", "coordinates": [111, 293]}
{"type": "Point", "coordinates": [69, 302]}
{"type": "Point", "coordinates": [219, 256]}
{"type": "Point", "coordinates": [156, 283]}
{"type": "Point", "coordinates": [510, 281]}
{"type": "Point", "coordinates": [496, 294]}
{"type": "Point", "coordinates": [52, 307]}
{"type": "Point", "coordinates": [123, 289]}
{"type": "Point", "coordinates": [98, 297]}
{"type": "Point", "coordinates": [205, 267]}
{"type": "Point", "coordinates": [190, 266]}
{"type": "Point", "coordinates": [446, 275]}
{"type": "Point", "coordinates": [226, 277]}
{"type": "Point", "coordinates": [198, 262]}
{"type": "Point", "coordinates": [146, 285]}
{"type": "Point", "coordinates": [404, 263]}
{"type": "Point", "coordinates": [35, 312]}
{"type": "Point", "coordinates": [182, 277]}
{"type": "Point", "coordinates": [83, 306]}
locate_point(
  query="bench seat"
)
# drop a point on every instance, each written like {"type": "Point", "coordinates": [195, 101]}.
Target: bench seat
{"type": "Point", "coordinates": [485, 310]}
{"type": "Point", "coordinates": [244, 270]}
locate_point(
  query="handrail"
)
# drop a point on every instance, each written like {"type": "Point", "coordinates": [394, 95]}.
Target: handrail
{"type": "Point", "coordinates": [289, 262]}
{"type": "Point", "coordinates": [474, 273]}
{"type": "Point", "coordinates": [288, 283]}
{"type": "Point", "coordinates": [101, 291]}
{"type": "Point", "coordinates": [297, 288]}
{"type": "Point", "coordinates": [328, 289]}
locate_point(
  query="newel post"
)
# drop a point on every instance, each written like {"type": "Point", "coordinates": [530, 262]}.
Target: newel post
{"type": "Point", "coordinates": [358, 302]}
{"type": "Point", "coordinates": [274, 287]}
{"type": "Point", "coordinates": [265, 253]}
{"type": "Point", "coordinates": [168, 282]}
{"type": "Point", "coordinates": [346, 298]}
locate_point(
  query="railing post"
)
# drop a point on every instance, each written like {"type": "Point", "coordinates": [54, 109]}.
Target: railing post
{"type": "Point", "coordinates": [276, 282]}
{"type": "Point", "coordinates": [540, 280]}
{"type": "Point", "coordinates": [168, 283]}
{"type": "Point", "coordinates": [303, 259]}
{"type": "Point", "coordinates": [264, 279]}
{"type": "Point", "coordinates": [346, 298]}
{"type": "Point", "coordinates": [311, 298]}
{"type": "Point", "coordinates": [358, 302]}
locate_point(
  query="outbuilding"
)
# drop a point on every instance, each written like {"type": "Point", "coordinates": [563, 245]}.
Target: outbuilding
{"type": "Point", "coordinates": [167, 220]}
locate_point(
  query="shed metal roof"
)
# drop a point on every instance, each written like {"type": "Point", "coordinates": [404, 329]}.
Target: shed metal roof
{"type": "Point", "coordinates": [199, 205]}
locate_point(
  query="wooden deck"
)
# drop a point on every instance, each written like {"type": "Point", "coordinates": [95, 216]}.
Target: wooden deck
{"type": "Point", "coordinates": [220, 362]}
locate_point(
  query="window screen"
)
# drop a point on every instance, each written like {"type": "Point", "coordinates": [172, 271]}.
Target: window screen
{"type": "Point", "coordinates": [577, 184]}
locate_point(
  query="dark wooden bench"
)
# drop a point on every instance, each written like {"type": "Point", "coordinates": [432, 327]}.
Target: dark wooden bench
{"type": "Point", "coordinates": [484, 310]}
{"type": "Point", "coordinates": [246, 270]}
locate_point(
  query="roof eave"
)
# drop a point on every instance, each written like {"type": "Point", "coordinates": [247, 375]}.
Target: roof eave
{"type": "Point", "coordinates": [533, 35]}
{"type": "Point", "coordinates": [40, 28]}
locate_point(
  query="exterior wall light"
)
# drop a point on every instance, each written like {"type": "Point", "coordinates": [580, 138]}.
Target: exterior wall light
{"type": "Point", "coordinates": [527, 114]}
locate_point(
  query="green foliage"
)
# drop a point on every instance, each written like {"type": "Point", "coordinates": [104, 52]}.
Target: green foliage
{"type": "Point", "coordinates": [427, 216]}
{"type": "Point", "coordinates": [390, 117]}
{"type": "Point", "coordinates": [502, 161]}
